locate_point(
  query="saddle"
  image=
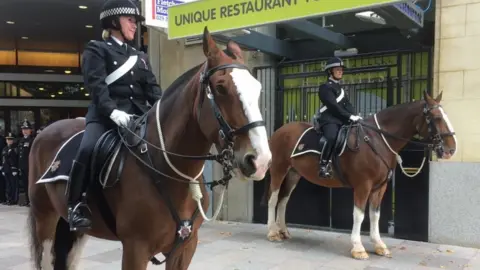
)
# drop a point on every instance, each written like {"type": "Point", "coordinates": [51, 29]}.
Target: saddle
{"type": "Point", "coordinates": [108, 146]}
{"type": "Point", "coordinates": [338, 146]}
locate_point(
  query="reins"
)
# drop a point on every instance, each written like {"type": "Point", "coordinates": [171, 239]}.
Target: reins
{"type": "Point", "coordinates": [220, 158]}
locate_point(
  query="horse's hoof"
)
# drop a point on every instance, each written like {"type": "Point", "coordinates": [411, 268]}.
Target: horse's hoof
{"type": "Point", "coordinates": [360, 255]}
{"type": "Point", "coordinates": [285, 235]}
{"type": "Point", "coordinates": [274, 237]}
{"type": "Point", "coordinates": [383, 251]}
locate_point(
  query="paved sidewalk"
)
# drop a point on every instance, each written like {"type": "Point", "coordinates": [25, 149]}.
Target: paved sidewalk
{"type": "Point", "coordinates": [237, 246]}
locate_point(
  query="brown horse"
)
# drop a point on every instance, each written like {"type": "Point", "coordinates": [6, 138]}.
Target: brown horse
{"type": "Point", "coordinates": [366, 167]}
{"type": "Point", "coordinates": [147, 204]}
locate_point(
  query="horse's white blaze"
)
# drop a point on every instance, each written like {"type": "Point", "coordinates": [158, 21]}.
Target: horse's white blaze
{"type": "Point", "coordinates": [374, 227]}
{"type": "Point", "coordinates": [249, 90]}
{"type": "Point", "coordinates": [73, 258]}
{"type": "Point", "coordinates": [358, 216]}
{"type": "Point", "coordinates": [449, 126]}
{"type": "Point", "coordinates": [47, 256]}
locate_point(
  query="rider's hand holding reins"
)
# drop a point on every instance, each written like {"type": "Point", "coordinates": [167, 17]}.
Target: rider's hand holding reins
{"type": "Point", "coordinates": [120, 118]}
{"type": "Point", "coordinates": [355, 118]}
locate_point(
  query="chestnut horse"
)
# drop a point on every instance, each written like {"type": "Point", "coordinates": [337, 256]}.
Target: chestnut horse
{"type": "Point", "coordinates": [366, 167]}
{"type": "Point", "coordinates": [148, 204]}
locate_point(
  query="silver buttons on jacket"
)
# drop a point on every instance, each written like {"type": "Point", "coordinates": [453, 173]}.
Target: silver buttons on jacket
{"type": "Point", "coordinates": [115, 63]}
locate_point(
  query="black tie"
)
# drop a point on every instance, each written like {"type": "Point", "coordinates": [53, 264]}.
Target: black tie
{"type": "Point", "coordinates": [124, 45]}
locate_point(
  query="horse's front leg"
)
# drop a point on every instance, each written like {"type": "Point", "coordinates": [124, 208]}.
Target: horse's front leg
{"type": "Point", "coordinates": [374, 213]}
{"type": "Point", "coordinates": [181, 260]}
{"type": "Point", "coordinates": [136, 255]}
{"type": "Point", "coordinates": [360, 197]}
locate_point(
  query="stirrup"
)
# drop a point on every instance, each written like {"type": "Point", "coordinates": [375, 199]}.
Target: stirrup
{"type": "Point", "coordinates": [76, 215]}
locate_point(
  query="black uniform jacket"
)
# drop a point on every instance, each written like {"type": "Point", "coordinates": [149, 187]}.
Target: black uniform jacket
{"type": "Point", "coordinates": [9, 159]}
{"type": "Point", "coordinates": [24, 145]}
{"type": "Point", "coordinates": [336, 113]}
{"type": "Point", "coordinates": [129, 93]}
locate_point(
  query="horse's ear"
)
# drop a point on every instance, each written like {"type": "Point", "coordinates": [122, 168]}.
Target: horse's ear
{"type": "Point", "coordinates": [209, 45]}
{"type": "Point", "coordinates": [439, 97]}
{"type": "Point", "coordinates": [426, 96]}
{"type": "Point", "coordinates": [235, 49]}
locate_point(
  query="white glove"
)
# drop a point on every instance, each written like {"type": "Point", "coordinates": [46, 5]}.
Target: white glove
{"type": "Point", "coordinates": [120, 118]}
{"type": "Point", "coordinates": [355, 118]}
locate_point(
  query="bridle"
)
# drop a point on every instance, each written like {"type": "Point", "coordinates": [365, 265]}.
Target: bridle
{"type": "Point", "coordinates": [226, 132]}
{"type": "Point", "coordinates": [434, 141]}
{"type": "Point", "coordinates": [435, 136]}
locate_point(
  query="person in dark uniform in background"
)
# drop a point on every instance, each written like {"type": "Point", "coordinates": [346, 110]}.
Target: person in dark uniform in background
{"type": "Point", "coordinates": [336, 110]}
{"type": "Point", "coordinates": [24, 145]}
{"type": "Point", "coordinates": [120, 82]}
{"type": "Point", "coordinates": [3, 180]}
{"type": "Point", "coordinates": [10, 169]}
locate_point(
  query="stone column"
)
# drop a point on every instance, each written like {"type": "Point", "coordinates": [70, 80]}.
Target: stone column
{"type": "Point", "coordinates": [454, 185]}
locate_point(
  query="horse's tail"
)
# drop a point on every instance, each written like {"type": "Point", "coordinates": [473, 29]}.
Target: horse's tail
{"type": "Point", "coordinates": [266, 189]}
{"type": "Point", "coordinates": [35, 246]}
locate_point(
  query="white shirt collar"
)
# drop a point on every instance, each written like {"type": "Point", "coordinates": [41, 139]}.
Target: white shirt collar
{"type": "Point", "coordinates": [332, 79]}
{"type": "Point", "coordinates": [117, 40]}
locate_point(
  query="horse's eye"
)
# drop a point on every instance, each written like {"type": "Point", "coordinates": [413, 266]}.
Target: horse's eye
{"type": "Point", "coordinates": [221, 90]}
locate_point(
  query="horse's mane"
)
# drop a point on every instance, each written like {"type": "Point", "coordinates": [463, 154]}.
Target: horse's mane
{"type": "Point", "coordinates": [180, 82]}
{"type": "Point", "coordinates": [183, 80]}
{"type": "Point", "coordinates": [400, 107]}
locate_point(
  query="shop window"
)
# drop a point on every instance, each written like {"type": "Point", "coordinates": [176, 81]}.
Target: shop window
{"type": "Point", "coordinates": [44, 90]}
{"type": "Point", "coordinates": [2, 123]}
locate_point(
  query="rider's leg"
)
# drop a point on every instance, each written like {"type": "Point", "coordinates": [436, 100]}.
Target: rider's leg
{"type": "Point", "coordinates": [330, 132]}
{"type": "Point", "coordinates": [79, 178]}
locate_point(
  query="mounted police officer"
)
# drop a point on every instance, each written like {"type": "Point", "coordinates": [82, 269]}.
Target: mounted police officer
{"type": "Point", "coordinates": [10, 169]}
{"type": "Point", "coordinates": [335, 112]}
{"type": "Point", "coordinates": [120, 82]}
{"type": "Point", "coordinates": [24, 145]}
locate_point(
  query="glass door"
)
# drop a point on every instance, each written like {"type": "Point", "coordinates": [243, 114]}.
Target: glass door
{"type": "Point", "coordinates": [3, 123]}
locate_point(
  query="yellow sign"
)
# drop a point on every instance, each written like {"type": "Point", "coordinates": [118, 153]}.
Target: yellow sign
{"type": "Point", "coordinates": [189, 19]}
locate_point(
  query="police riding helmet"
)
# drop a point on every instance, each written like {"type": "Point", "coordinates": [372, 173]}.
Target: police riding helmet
{"type": "Point", "coordinates": [111, 12]}
{"type": "Point", "coordinates": [333, 62]}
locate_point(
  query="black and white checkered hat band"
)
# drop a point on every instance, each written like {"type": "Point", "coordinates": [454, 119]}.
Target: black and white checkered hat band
{"type": "Point", "coordinates": [119, 11]}
{"type": "Point", "coordinates": [334, 65]}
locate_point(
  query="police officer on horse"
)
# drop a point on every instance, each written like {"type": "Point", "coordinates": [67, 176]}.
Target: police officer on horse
{"type": "Point", "coordinates": [120, 82]}
{"type": "Point", "coordinates": [335, 112]}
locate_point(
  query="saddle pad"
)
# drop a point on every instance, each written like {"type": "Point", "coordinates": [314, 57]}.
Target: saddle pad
{"type": "Point", "coordinates": [60, 167]}
{"type": "Point", "coordinates": [309, 142]}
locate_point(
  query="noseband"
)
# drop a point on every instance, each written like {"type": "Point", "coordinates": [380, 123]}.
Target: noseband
{"type": "Point", "coordinates": [226, 132]}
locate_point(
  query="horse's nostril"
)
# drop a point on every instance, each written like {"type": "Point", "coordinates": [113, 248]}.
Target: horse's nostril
{"type": "Point", "coordinates": [249, 160]}
{"type": "Point", "coordinates": [452, 151]}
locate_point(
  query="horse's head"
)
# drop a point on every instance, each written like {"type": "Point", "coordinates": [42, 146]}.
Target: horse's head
{"type": "Point", "coordinates": [236, 121]}
{"type": "Point", "coordinates": [437, 127]}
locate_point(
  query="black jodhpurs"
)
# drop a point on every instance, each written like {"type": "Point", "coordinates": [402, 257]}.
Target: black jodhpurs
{"type": "Point", "coordinates": [93, 132]}
{"type": "Point", "coordinates": [79, 178]}
{"type": "Point", "coordinates": [330, 132]}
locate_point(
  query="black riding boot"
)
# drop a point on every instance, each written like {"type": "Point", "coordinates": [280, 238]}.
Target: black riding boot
{"type": "Point", "coordinates": [76, 200]}
{"type": "Point", "coordinates": [325, 171]}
